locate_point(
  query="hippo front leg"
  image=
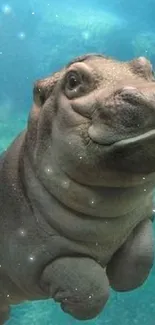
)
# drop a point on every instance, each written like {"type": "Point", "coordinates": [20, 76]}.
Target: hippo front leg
{"type": "Point", "coordinates": [131, 264]}
{"type": "Point", "coordinates": [79, 284]}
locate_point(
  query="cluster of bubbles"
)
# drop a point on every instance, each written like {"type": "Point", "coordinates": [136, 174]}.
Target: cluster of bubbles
{"type": "Point", "coordinates": [7, 10]}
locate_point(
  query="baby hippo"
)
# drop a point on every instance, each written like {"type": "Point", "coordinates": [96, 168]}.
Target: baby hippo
{"type": "Point", "coordinates": [76, 188]}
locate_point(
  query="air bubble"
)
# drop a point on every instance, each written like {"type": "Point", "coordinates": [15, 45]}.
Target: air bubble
{"type": "Point", "coordinates": [21, 36]}
{"type": "Point", "coordinates": [92, 202]}
{"type": "Point", "coordinates": [48, 170]}
{"type": "Point", "coordinates": [22, 232]}
{"type": "Point", "coordinates": [31, 258]}
{"type": "Point", "coordinates": [86, 35]}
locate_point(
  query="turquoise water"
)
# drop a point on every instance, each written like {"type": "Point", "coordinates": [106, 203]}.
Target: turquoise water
{"type": "Point", "coordinates": [37, 37]}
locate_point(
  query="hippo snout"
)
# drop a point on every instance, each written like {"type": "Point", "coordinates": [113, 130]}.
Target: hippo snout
{"type": "Point", "coordinates": [126, 113]}
{"type": "Point", "coordinates": [140, 95]}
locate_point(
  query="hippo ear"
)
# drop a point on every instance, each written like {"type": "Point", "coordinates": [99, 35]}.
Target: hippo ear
{"type": "Point", "coordinates": [142, 67]}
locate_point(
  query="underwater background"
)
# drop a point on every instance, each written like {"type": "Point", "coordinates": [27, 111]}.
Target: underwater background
{"type": "Point", "coordinates": [38, 37]}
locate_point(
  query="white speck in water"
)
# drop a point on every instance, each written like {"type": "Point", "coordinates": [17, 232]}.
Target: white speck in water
{"type": "Point", "coordinates": [14, 186]}
{"type": "Point", "coordinates": [70, 142]}
{"type": "Point", "coordinates": [1, 53]}
{"type": "Point", "coordinates": [33, 13]}
{"type": "Point", "coordinates": [0, 265]}
{"type": "Point", "coordinates": [21, 36]}
{"type": "Point", "coordinates": [90, 296]}
{"type": "Point", "coordinates": [153, 210]}
{"type": "Point", "coordinates": [80, 157]}
{"type": "Point", "coordinates": [48, 170]}
{"type": "Point", "coordinates": [65, 184]}
{"type": "Point", "coordinates": [143, 177]}
{"type": "Point", "coordinates": [31, 258]}
{"type": "Point", "coordinates": [8, 295]}
{"type": "Point", "coordinates": [22, 232]}
{"type": "Point", "coordinates": [96, 243]}
{"type": "Point", "coordinates": [144, 189]}
{"type": "Point", "coordinates": [76, 289]}
{"type": "Point", "coordinates": [6, 9]}
{"type": "Point", "coordinates": [92, 202]}
{"type": "Point", "coordinates": [86, 35]}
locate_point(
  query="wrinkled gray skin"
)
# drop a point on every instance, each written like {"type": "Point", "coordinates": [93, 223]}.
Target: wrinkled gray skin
{"type": "Point", "coordinates": [76, 188]}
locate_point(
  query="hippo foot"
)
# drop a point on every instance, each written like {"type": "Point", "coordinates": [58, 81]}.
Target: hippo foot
{"type": "Point", "coordinates": [131, 264]}
{"type": "Point", "coordinates": [79, 284]}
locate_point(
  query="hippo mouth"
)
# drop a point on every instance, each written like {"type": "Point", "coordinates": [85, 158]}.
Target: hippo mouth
{"type": "Point", "coordinates": [137, 139]}
{"type": "Point", "coordinates": [126, 141]}
{"type": "Point", "coordinates": [132, 155]}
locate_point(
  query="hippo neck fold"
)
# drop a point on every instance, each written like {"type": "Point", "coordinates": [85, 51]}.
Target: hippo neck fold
{"type": "Point", "coordinates": [98, 202]}
{"type": "Point", "coordinates": [56, 217]}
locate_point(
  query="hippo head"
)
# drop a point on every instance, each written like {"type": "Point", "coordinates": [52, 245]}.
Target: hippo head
{"type": "Point", "coordinates": [95, 119]}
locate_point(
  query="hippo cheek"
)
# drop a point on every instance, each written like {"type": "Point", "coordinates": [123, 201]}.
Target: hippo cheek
{"type": "Point", "coordinates": [136, 155]}
{"type": "Point", "coordinates": [102, 134]}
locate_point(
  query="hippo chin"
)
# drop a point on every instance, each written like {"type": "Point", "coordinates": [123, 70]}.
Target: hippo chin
{"type": "Point", "coordinates": [76, 188]}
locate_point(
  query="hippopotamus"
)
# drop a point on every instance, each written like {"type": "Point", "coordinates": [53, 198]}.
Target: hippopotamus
{"type": "Point", "coordinates": [76, 188]}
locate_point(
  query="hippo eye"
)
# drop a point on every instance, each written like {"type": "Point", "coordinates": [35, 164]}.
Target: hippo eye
{"type": "Point", "coordinates": [73, 80]}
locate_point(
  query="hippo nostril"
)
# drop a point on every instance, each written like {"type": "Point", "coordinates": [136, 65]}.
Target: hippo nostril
{"type": "Point", "coordinates": [131, 95]}
{"type": "Point", "coordinates": [129, 92]}
{"type": "Point", "coordinates": [126, 90]}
